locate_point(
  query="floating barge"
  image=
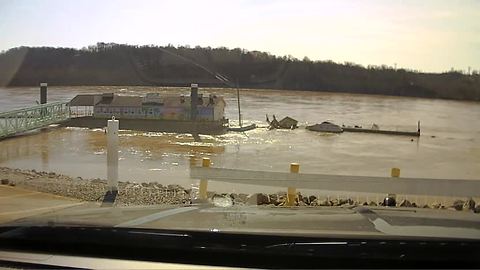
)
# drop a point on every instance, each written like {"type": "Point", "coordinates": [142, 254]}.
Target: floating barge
{"type": "Point", "coordinates": [150, 125]}
{"type": "Point", "coordinates": [195, 114]}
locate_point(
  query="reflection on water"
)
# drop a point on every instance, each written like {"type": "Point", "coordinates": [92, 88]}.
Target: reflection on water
{"type": "Point", "coordinates": [44, 150]}
{"type": "Point", "coordinates": [154, 145]}
{"type": "Point", "coordinates": [448, 147]}
{"type": "Point", "coordinates": [82, 152]}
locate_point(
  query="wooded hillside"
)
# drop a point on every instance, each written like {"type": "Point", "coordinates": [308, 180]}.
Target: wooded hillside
{"type": "Point", "coordinates": [114, 64]}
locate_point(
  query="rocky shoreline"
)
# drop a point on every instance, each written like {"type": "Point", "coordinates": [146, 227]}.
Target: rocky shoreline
{"type": "Point", "coordinates": [93, 190]}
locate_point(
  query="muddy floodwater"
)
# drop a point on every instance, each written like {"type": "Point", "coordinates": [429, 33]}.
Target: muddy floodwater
{"type": "Point", "coordinates": [449, 146]}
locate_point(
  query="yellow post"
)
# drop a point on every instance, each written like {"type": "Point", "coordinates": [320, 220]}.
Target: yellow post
{"type": "Point", "coordinates": [204, 182]}
{"type": "Point", "coordinates": [193, 161]}
{"type": "Point", "coordinates": [394, 173]}
{"type": "Point", "coordinates": [292, 191]}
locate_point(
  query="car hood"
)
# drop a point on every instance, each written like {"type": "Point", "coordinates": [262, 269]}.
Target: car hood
{"type": "Point", "coordinates": [359, 221]}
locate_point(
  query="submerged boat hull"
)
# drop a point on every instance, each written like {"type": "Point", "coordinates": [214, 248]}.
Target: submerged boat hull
{"type": "Point", "coordinates": [325, 127]}
{"type": "Point", "coordinates": [242, 129]}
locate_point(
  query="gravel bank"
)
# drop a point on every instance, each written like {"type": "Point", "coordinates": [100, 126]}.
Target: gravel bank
{"type": "Point", "coordinates": [154, 193]}
{"type": "Point", "coordinates": [94, 189]}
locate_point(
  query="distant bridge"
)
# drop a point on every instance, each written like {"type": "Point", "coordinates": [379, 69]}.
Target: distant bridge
{"type": "Point", "coordinates": [22, 120]}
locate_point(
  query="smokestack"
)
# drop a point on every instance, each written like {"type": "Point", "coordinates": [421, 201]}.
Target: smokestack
{"type": "Point", "coordinates": [193, 101]}
{"type": "Point", "coordinates": [43, 93]}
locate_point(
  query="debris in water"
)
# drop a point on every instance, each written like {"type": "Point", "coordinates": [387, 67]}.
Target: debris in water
{"type": "Point", "coordinates": [285, 123]}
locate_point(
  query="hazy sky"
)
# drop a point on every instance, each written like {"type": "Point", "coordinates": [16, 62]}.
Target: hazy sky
{"type": "Point", "coordinates": [427, 35]}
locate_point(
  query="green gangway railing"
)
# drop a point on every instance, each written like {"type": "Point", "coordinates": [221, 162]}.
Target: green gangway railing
{"type": "Point", "coordinates": [22, 120]}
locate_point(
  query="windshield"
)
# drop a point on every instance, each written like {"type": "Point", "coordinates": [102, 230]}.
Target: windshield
{"type": "Point", "coordinates": [358, 119]}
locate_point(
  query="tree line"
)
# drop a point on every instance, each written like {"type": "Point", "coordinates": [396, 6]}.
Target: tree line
{"type": "Point", "coordinates": [117, 64]}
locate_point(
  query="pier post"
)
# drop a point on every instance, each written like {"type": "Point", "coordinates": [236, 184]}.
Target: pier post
{"type": "Point", "coordinates": [204, 182]}
{"type": "Point", "coordinates": [43, 98]}
{"type": "Point", "coordinates": [193, 101]}
{"type": "Point", "coordinates": [43, 93]}
{"type": "Point", "coordinates": [112, 154]}
{"type": "Point", "coordinates": [292, 191]}
{"type": "Point", "coordinates": [192, 161]}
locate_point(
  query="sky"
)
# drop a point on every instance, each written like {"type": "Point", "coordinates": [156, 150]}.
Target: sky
{"type": "Point", "coordinates": [426, 35]}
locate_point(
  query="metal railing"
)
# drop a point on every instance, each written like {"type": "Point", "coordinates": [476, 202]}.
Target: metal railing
{"type": "Point", "coordinates": [22, 120]}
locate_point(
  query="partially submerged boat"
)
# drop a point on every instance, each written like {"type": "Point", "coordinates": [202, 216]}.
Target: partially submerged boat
{"type": "Point", "coordinates": [285, 123]}
{"type": "Point", "coordinates": [242, 128]}
{"type": "Point", "coordinates": [325, 127]}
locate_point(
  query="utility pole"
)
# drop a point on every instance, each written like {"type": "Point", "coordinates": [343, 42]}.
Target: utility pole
{"type": "Point", "coordinates": [238, 103]}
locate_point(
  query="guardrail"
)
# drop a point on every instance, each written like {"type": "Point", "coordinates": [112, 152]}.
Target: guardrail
{"type": "Point", "coordinates": [345, 183]}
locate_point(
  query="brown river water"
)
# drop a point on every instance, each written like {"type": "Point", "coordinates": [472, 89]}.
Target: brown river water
{"type": "Point", "coordinates": [449, 146]}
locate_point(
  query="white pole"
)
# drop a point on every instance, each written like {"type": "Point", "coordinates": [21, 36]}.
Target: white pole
{"type": "Point", "coordinates": [112, 154]}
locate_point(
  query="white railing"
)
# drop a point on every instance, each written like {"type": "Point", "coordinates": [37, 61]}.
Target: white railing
{"type": "Point", "coordinates": [344, 183]}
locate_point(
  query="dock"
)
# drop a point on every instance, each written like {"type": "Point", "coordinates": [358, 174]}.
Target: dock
{"type": "Point", "coordinates": [379, 131]}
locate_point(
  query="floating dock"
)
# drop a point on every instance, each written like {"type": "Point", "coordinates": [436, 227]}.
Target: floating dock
{"type": "Point", "coordinates": [379, 131]}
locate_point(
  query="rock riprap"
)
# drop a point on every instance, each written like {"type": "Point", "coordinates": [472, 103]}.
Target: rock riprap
{"type": "Point", "coordinates": [132, 193]}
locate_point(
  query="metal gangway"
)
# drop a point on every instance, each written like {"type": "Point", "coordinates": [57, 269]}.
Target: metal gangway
{"type": "Point", "coordinates": [22, 120]}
